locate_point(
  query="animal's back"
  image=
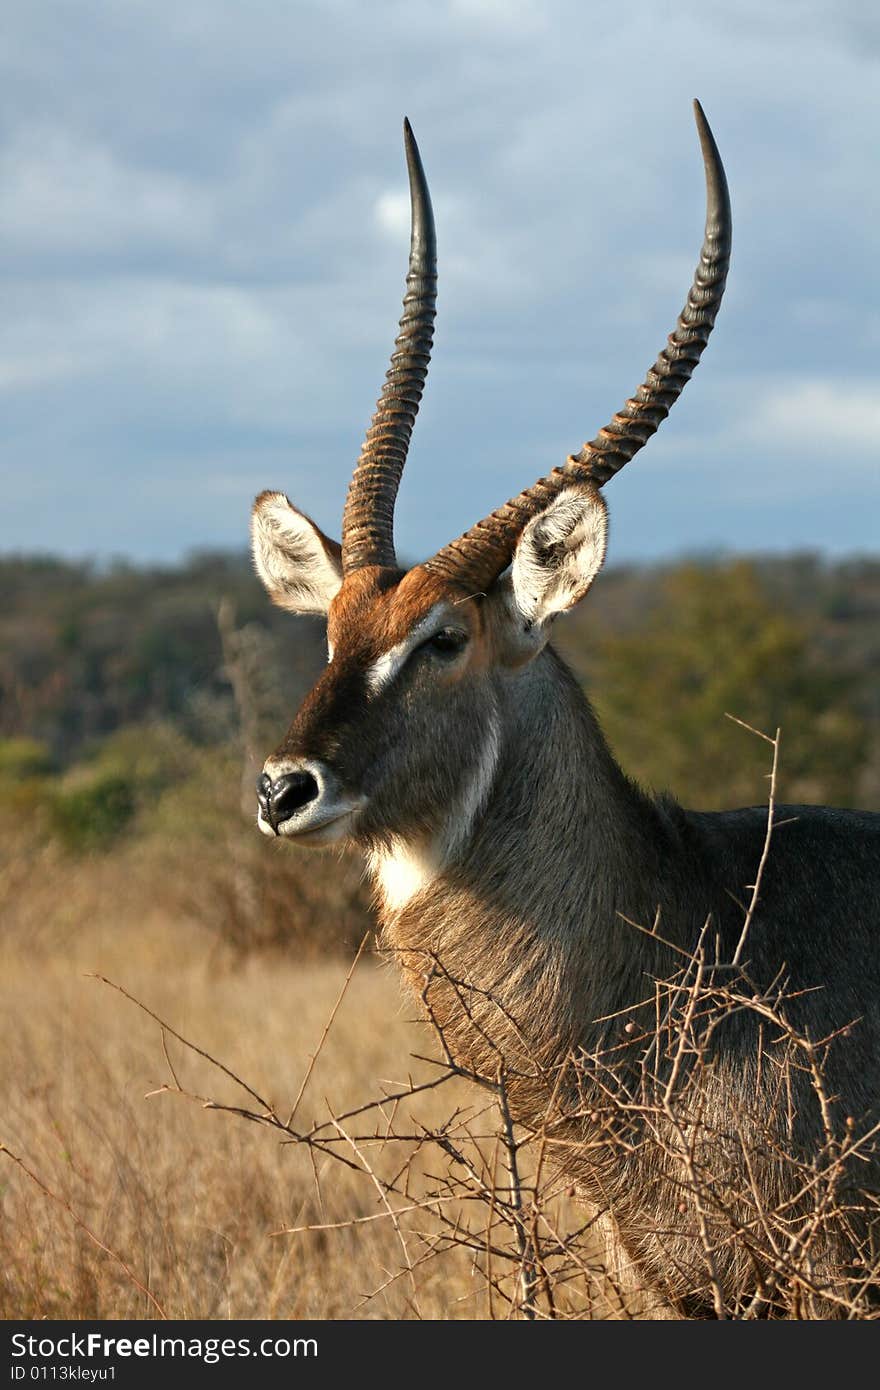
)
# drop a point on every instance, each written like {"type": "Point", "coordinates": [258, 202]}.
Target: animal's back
{"type": "Point", "coordinates": [810, 957]}
{"type": "Point", "coordinates": [819, 894]}
{"type": "Point", "coordinates": [815, 927]}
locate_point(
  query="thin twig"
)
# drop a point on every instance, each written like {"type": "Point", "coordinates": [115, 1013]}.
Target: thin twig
{"type": "Point", "coordinates": [87, 1230]}
{"type": "Point", "coordinates": [771, 804]}
{"type": "Point", "coordinates": [327, 1026]}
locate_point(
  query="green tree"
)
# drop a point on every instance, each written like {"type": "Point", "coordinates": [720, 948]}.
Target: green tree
{"type": "Point", "coordinates": [715, 645]}
{"type": "Point", "coordinates": [22, 759]}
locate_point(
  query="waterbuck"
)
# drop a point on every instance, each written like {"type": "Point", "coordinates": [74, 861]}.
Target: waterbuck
{"type": "Point", "coordinates": [539, 893]}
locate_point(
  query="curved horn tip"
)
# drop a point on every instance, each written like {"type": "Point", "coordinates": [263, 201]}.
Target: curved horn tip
{"type": "Point", "coordinates": [413, 158]}
{"type": "Point", "coordinates": [703, 128]}
{"type": "Point", "coordinates": [423, 238]}
{"type": "Point", "coordinates": [716, 180]}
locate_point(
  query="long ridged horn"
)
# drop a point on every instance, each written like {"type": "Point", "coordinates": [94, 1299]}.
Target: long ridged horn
{"type": "Point", "coordinates": [368, 519]}
{"type": "Point", "coordinates": [480, 555]}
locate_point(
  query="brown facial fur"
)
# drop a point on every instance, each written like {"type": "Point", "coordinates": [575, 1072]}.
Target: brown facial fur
{"type": "Point", "coordinates": [379, 607]}
{"type": "Point", "coordinates": [402, 770]}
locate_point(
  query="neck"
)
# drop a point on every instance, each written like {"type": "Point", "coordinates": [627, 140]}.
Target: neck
{"type": "Point", "coordinates": [522, 909]}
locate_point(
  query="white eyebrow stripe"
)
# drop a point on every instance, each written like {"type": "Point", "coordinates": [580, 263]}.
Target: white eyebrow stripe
{"type": "Point", "coordinates": [382, 672]}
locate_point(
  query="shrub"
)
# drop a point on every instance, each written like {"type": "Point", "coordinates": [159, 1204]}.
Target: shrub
{"type": "Point", "coordinates": [22, 759]}
{"type": "Point", "coordinates": [93, 810]}
{"type": "Point", "coordinates": [715, 643]}
{"type": "Point", "coordinates": [98, 799]}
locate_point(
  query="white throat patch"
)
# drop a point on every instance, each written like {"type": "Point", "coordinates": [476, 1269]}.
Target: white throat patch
{"type": "Point", "coordinates": [402, 871]}
{"type": "Point", "coordinates": [408, 868]}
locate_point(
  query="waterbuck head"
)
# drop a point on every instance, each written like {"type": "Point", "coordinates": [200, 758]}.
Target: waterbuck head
{"type": "Point", "coordinates": [398, 741]}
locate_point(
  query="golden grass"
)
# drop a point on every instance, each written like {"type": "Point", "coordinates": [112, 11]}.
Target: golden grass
{"type": "Point", "coordinates": [188, 1198]}
{"type": "Point", "coordinates": [119, 1203]}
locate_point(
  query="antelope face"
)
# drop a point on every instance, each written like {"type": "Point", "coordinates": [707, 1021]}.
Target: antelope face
{"type": "Point", "coordinates": [399, 739]}
{"type": "Point", "coordinates": [397, 744]}
{"type": "Point", "coordinates": [395, 729]}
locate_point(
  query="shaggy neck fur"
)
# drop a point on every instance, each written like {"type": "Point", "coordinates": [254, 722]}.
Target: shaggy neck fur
{"type": "Point", "coordinates": [516, 912]}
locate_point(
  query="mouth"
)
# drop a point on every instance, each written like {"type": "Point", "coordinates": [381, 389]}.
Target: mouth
{"type": "Point", "coordinates": [324, 832]}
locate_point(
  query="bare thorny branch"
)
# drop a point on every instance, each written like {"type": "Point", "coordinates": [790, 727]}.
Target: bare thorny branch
{"type": "Point", "coordinates": [482, 1186]}
{"type": "Point", "coordinates": [445, 1193]}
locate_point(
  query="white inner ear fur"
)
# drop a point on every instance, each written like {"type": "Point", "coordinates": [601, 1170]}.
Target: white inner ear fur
{"type": "Point", "coordinates": [300, 567]}
{"type": "Point", "coordinates": [559, 554]}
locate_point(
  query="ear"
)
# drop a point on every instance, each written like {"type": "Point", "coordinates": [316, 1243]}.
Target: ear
{"type": "Point", "coordinates": [559, 554]}
{"type": "Point", "coordinates": [300, 567]}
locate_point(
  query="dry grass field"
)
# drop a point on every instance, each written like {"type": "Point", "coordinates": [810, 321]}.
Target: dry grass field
{"type": "Point", "coordinates": [187, 1201]}
{"type": "Point", "coordinates": [151, 1166]}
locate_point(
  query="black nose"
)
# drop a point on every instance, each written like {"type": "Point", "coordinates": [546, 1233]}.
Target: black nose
{"type": "Point", "coordinates": [280, 799]}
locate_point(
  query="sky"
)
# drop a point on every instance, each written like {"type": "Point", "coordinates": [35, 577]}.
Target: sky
{"type": "Point", "coordinates": [203, 242]}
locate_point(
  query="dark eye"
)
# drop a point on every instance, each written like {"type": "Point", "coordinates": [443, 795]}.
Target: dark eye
{"type": "Point", "coordinates": [449, 641]}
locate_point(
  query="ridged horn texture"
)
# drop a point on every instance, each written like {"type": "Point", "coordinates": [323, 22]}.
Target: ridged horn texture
{"type": "Point", "coordinates": [480, 555]}
{"type": "Point", "coordinates": [368, 519]}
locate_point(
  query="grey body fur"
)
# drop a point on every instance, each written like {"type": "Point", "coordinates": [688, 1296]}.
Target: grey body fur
{"type": "Point", "coordinates": [535, 918]}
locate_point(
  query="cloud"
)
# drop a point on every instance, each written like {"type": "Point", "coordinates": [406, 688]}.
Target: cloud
{"type": "Point", "coordinates": [820, 416]}
{"type": "Point", "coordinates": [62, 193]}
{"type": "Point", "coordinates": [204, 225]}
{"type": "Point", "coordinates": [514, 18]}
{"type": "Point", "coordinates": [392, 212]}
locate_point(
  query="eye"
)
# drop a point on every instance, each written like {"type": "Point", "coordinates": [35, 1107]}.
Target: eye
{"type": "Point", "coordinates": [449, 641]}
